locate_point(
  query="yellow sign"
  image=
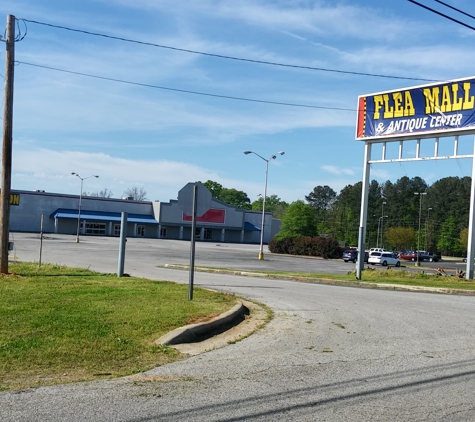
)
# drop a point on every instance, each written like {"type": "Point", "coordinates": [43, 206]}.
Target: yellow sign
{"type": "Point", "coordinates": [15, 199]}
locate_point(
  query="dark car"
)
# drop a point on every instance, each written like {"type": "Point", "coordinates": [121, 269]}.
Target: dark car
{"type": "Point", "coordinates": [428, 256]}
{"type": "Point", "coordinates": [352, 255]}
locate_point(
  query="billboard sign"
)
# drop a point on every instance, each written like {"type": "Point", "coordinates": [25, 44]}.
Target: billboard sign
{"type": "Point", "coordinates": [418, 112]}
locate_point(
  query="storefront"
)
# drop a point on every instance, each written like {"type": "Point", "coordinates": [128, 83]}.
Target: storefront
{"type": "Point", "coordinates": [161, 220]}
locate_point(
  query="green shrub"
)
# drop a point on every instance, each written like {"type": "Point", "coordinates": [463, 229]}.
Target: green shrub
{"type": "Point", "coordinates": [327, 248]}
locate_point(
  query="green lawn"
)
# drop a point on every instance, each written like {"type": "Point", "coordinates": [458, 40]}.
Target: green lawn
{"type": "Point", "coordinates": [63, 324]}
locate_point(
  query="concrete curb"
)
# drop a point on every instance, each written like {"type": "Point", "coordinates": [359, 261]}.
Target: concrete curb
{"type": "Point", "coordinates": [347, 283]}
{"type": "Point", "coordinates": [194, 332]}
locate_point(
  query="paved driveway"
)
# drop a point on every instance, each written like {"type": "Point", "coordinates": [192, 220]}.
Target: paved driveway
{"type": "Point", "coordinates": [332, 353]}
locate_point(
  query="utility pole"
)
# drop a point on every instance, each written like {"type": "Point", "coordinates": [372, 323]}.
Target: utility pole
{"type": "Point", "coordinates": [7, 145]}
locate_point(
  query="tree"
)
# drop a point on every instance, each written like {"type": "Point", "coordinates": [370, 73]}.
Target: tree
{"type": "Point", "coordinates": [138, 194]}
{"type": "Point", "coordinates": [345, 214]}
{"type": "Point", "coordinates": [299, 220]}
{"type": "Point", "coordinates": [449, 237]}
{"type": "Point", "coordinates": [463, 239]}
{"type": "Point", "coordinates": [321, 198]}
{"type": "Point", "coordinates": [450, 196]}
{"type": "Point", "coordinates": [229, 196]}
{"type": "Point", "coordinates": [102, 194]}
{"type": "Point", "coordinates": [214, 187]}
{"type": "Point", "coordinates": [235, 197]}
{"type": "Point", "coordinates": [400, 237]}
{"type": "Point", "coordinates": [273, 204]}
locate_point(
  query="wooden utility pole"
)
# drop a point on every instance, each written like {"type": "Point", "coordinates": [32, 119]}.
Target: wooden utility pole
{"type": "Point", "coordinates": [7, 145]}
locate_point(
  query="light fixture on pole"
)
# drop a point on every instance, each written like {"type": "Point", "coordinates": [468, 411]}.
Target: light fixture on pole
{"type": "Point", "coordinates": [419, 232]}
{"type": "Point", "coordinates": [377, 235]}
{"type": "Point", "coordinates": [427, 229]}
{"type": "Point", "coordinates": [80, 200]}
{"type": "Point", "coordinates": [382, 213]}
{"type": "Point", "coordinates": [272, 157]}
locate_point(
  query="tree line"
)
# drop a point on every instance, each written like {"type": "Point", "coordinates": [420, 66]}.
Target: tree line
{"type": "Point", "coordinates": [407, 214]}
{"type": "Point", "coordinates": [135, 192]}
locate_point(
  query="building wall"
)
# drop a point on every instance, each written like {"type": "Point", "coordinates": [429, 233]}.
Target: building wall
{"type": "Point", "coordinates": [26, 217]}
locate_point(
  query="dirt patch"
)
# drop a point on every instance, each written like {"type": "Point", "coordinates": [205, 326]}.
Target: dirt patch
{"type": "Point", "coordinates": [198, 320]}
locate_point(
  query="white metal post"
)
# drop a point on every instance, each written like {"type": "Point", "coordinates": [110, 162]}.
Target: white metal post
{"type": "Point", "coordinates": [471, 228]}
{"type": "Point", "coordinates": [364, 211]}
{"type": "Point", "coordinates": [79, 212]}
{"type": "Point", "coordinates": [261, 250]}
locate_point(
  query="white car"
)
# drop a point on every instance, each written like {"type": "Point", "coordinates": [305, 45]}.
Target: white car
{"type": "Point", "coordinates": [378, 250]}
{"type": "Point", "coordinates": [383, 258]}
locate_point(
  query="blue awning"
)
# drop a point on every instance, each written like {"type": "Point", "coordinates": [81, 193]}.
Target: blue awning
{"type": "Point", "coordinates": [251, 227]}
{"type": "Point", "coordinates": [102, 216]}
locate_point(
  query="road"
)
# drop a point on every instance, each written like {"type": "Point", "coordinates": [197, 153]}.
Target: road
{"type": "Point", "coordinates": [331, 353]}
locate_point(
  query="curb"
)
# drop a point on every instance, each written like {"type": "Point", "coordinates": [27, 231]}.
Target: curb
{"type": "Point", "coordinates": [195, 332]}
{"type": "Point", "coordinates": [346, 283]}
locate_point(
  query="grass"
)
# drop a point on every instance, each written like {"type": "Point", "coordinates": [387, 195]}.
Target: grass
{"type": "Point", "coordinates": [62, 324]}
{"type": "Point", "coordinates": [424, 277]}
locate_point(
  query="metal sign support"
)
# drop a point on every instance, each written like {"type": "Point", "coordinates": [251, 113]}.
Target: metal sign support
{"type": "Point", "coordinates": [364, 212]}
{"type": "Point", "coordinates": [365, 191]}
{"type": "Point", "coordinates": [192, 247]}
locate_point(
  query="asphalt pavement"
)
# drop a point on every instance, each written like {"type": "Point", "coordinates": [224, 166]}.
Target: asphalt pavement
{"type": "Point", "coordinates": [331, 353]}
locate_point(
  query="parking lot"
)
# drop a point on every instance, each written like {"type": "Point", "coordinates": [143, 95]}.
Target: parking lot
{"type": "Point", "coordinates": [97, 252]}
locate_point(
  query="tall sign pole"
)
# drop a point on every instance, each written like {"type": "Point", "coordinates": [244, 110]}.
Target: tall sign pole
{"type": "Point", "coordinates": [193, 241]}
{"type": "Point", "coordinates": [7, 145]}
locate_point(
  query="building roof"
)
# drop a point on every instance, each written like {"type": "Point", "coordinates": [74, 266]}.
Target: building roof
{"type": "Point", "coordinates": [103, 216]}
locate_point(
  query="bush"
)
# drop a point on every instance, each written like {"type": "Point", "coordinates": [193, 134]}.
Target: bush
{"type": "Point", "coordinates": [324, 247]}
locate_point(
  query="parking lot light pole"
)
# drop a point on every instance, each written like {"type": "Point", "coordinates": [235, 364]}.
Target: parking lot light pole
{"type": "Point", "coordinates": [419, 232]}
{"type": "Point", "coordinates": [381, 224]}
{"type": "Point", "coordinates": [272, 157]}
{"type": "Point", "coordinates": [80, 200]}
{"type": "Point", "coordinates": [427, 229]}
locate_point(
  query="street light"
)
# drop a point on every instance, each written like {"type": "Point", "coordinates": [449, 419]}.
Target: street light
{"type": "Point", "coordinates": [380, 223]}
{"type": "Point", "coordinates": [272, 157]}
{"type": "Point", "coordinates": [80, 199]}
{"type": "Point", "coordinates": [419, 232]}
{"type": "Point", "coordinates": [382, 213]}
{"type": "Point", "coordinates": [427, 229]}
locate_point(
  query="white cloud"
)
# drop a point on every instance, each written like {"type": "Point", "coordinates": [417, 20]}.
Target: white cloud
{"type": "Point", "coordinates": [341, 171]}
{"type": "Point", "coordinates": [51, 171]}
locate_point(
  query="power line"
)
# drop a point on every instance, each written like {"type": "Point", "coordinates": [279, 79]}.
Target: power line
{"type": "Point", "coordinates": [441, 14]}
{"type": "Point", "coordinates": [184, 90]}
{"type": "Point", "coordinates": [454, 8]}
{"type": "Point", "coordinates": [321, 69]}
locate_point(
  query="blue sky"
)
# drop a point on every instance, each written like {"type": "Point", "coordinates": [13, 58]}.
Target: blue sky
{"type": "Point", "coordinates": [159, 140]}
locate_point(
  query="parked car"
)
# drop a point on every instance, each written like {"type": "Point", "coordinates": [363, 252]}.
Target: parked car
{"type": "Point", "coordinates": [377, 250]}
{"type": "Point", "coordinates": [352, 255]}
{"type": "Point", "coordinates": [408, 255]}
{"type": "Point", "coordinates": [383, 258]}
{"type": "Point", "coordinates": [428, 256]}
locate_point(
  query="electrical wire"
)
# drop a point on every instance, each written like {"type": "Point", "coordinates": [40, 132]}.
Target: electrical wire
{"type": "Point", "coordinates": [454, 8]}
{"type": "Point", "coordinates": [321, 69]}
{"type": "Point", "coordinates": [184, 90]}
{"type": "Point", "coordinates": [19, 37]}
{"type": "Point", "coordinates": [441, 14]}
